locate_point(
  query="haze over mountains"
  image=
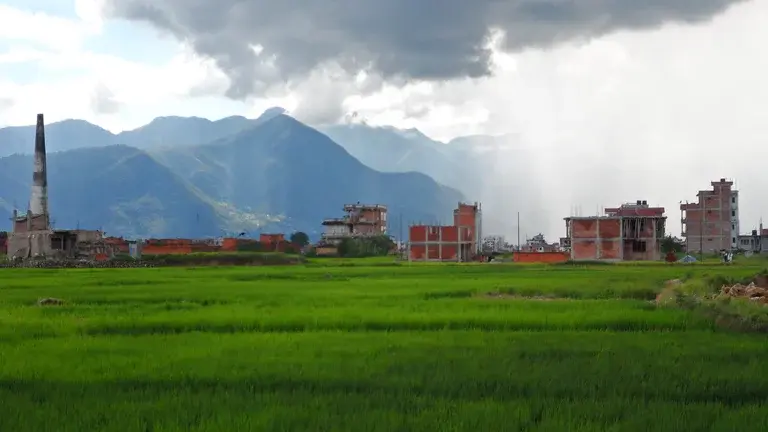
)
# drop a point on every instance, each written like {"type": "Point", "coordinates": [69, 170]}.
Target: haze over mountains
{"type": "Point", "coordinates": [192, 177]}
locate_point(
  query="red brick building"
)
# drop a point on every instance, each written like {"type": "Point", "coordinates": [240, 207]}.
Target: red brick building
{"type": "Point", "coordinates": [632, 232]}
{"type": "Point", "coordinates": [457, 242]}
{"type": "Point", "coordinates": [712, 223]}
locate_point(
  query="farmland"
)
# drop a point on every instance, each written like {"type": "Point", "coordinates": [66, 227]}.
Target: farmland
{"type": "Point", "coordinates": [372, 345]}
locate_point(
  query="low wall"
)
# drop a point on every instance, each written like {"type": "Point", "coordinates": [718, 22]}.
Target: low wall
{"type": "Point", "coordinates": [540, 257]}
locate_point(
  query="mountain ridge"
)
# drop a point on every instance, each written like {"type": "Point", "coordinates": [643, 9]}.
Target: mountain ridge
{"type": "Point", "coordinates": [272, 173]}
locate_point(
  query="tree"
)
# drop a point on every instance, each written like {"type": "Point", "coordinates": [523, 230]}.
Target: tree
{"type": "Point", "coordinates": [300, 238]}
{"type": "Point", "coordinates": [672, 244]}
{"type": "Point", "coordinates": [365, 247]}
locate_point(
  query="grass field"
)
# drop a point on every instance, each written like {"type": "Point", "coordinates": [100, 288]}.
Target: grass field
{"type": "Point", "coordinates": [369, 345]}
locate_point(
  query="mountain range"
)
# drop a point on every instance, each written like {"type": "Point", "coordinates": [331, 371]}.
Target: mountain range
{"type": "Point", "coordinates": [192, 177]}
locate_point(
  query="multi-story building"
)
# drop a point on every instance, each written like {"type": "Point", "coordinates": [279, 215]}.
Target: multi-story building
{"type": "Point", "coordinates": [632, 232]}
{"type": "Point", "coordinates": [470, 216]}
{"type": "Point", "coordinates": [712, 223]}
{"type": "Point", "coordinates": [461, 241]}
{"type": "Point", "coordinates": [361, 220]}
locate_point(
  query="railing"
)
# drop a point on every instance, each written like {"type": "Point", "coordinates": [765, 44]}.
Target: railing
{"type": "Point", "coordinates": [342, 235]}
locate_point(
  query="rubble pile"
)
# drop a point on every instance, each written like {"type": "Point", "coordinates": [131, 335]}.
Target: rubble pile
{"type": "Point", "coordinates": [751, 292]}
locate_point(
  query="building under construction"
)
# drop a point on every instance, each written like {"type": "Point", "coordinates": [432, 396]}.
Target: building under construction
{"type": "Point", "coordinates": [31, 233]}
{"type": "Point", "coordinates": [458, 242]}
{"type": "Point", "coordinates": [632, 232]}
{"type": "Point", "coordinates": [711, 223]}
{"type": "Point", "coordinates": [361, 220]}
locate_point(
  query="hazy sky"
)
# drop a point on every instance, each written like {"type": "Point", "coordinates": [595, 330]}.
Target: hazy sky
{"type": "Point", "coordinates": [606, 101]}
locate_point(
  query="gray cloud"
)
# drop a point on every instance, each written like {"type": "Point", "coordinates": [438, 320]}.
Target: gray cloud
{"type": "Point", "coordinates": [403, 39]}
{"type": "Point", "coordinates": [5, 103]}
{"type": "Point", "coordinates": [103, 100]}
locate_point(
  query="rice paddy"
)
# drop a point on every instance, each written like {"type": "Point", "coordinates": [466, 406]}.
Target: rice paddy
{"type": "Point", "coordinates": [364, 345]}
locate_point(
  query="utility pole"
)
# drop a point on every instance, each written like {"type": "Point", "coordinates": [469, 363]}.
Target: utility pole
{"type": "Point", "coordinates": [703, 208]}
{"type": "Point", "coordinates": [518, 231]}
{"type": "Point", "coordinates": [400, 240]}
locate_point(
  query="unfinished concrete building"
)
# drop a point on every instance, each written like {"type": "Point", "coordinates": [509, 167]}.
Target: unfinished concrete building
{"type": "Point", "coordinates": [32, 234]}
{"type": "Point", "coordinates": [458, 242]}
{"type": "Point", "coordinates": [755, 242]}
{"type": "Point", "coordinates": [632, 232]}
{"type": "Point", "coordinates": [712, 223]}
{"type": "Point", "coordinates": [361, 220]}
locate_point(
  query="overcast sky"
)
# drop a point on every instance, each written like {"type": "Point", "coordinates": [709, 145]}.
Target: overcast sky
{"type": "Point", "coordinates": [610, 101]}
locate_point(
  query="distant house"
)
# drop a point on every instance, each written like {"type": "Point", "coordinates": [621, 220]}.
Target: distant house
{"type": "Point", "coordinates": [756, 242]}
{"type": "Point", "coordinates": [361, 220]}
{"type": "Point", "coordinates": [539, 244]}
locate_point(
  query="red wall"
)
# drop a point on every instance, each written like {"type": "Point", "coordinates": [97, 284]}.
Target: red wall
{"type": "Point", "coordinates": [540, 257]}
{"type": "Point", "coordinates": [271, 238]}
{"type": "Point", "coordinates": [447, 235]}
{"type": "Point", "coordinates": [584, 228]}
{"type": "Point", "coordinates": [610, 228]}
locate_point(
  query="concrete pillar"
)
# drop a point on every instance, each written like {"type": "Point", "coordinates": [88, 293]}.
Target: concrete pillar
{"type": "Point", "coordinates": [458, 243]}
{"type": "Point", "coordinates": [409, 251]}
{"type": "Point", "coordinates": [439, 243]}
{"type": "Point", "coordinates": [598, 244]}
{"type": "Point", "coordinates": [621, 238]}
{"type": "Point", "coordinates": [655, 255]}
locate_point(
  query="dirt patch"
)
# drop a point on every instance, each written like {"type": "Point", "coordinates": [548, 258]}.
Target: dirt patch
{"type": "Point", "coordinates": [753, 292]}
{"type": "Point", "coordinates": [50, 301]}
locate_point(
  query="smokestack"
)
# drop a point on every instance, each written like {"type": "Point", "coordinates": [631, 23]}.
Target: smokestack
{"type": "Point", "coordinates": [39, 201]}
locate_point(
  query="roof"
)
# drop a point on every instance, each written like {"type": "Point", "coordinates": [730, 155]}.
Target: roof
{"type": "Point", "coordinates": [617, 217]}
{"type": "Point", "coordinates": [335, 221]}
{"type": "Point", "coordinates": [22, 218]}
{"type": "Point", "coordinates": [636, 211]}
{"type": "Point", "coordinates": [364, 206]}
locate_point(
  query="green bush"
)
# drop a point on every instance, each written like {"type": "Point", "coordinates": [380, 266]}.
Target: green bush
{"type": "Point", "coordinates": [365, 247]}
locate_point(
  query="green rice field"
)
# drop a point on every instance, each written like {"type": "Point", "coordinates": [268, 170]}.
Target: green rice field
{"type": "Point", "coordinates": [374, 345]}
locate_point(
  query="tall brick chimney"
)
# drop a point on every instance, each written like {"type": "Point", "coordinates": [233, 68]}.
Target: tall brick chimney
{"type": "Point", "coordinates": [39, 200]}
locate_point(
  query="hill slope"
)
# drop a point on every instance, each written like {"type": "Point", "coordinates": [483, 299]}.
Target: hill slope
{"type": "Point", "coordinates": [67, 135]}
{"type": "Point", "coordinates": [119, 189]}
{"type": "Point", "coordinates": [388, 149]}
{"type": "Point", "coordinates": [283, 167]}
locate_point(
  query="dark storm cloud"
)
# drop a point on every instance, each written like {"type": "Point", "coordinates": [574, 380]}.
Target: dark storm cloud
{"type": "Point", "coordinates": [407, 39]}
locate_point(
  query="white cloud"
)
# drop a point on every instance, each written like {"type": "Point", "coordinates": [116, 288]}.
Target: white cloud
{"type": "Point", "coordinates": [90, 12]}
{"type": "Point", "coordinates": [41, 29]}
{"type": "Point", "coordinates": [635, 115]}
{"type": "Point", "coordinates": [71, 78]}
